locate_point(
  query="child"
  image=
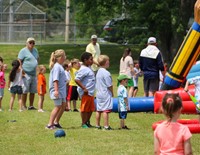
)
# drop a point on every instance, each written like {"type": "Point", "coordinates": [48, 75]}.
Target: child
{"type": "Point", "coordinates": [72, 91]}
{"type": "Point", "coordinates": [85, 80]}
{"type": "Point", "coordinates": [104, 92]}
{"type": "Point", "coordinates": [137, 73]}
{"type": "Point", "coordinates": [68, 77]}
{"type": "Point", "coordinates": [171, 137]}
{"type": "Point", "coordinates": [57, 88]}
{"type": "Point", "coordinates": [196, 82]}
{"type": "Point", "coordinates": [122, 99]}
{"type": "Point", "coordinates": [2, 83]}
{"type": "Point", "coordinates": [15, 84]}
{"type": "Point", "coordinates": [41, 86]}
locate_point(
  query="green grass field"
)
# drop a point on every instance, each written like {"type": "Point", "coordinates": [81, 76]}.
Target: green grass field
{"type": "Point", "coordinates": [28, 136]}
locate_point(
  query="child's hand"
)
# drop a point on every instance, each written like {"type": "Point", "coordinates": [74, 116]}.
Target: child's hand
{"type": "Point", "coordinates": [85, 91]}
{"type": "Point", "coordinates": [128, 108]}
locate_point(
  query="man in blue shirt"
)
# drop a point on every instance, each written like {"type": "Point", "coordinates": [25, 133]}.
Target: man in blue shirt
{"type": "Point", "coordinates": [28, 57]}
{"type": "Point", "coordinates": [151, 62]}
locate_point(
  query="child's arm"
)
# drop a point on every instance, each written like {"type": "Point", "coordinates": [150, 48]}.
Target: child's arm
{"type": "Point", "coordinates": [186, 86]}
{"type": "Point", "coordinates": [78, 82]}
{"type": "Point", "coordinates": [111, 90]}
{"type": "Point", "coordinates": [56, 93]}
{"type": "Point", "coordinates": [126, 101]}
{"type": "Point", "coordinates": [187, 147]}
{"type": "Point", "coordinates": [156, 146]}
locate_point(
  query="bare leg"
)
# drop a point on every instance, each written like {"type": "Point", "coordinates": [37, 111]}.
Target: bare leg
{"type": "Point", "coordinates": [74, 104]}
{"type": "Point", "coordinates": [151, 94]}
{"type": "Point", "coordinates": [12, 99]}
{"type": "Point", "coordinates": [130, 92]}
{"type": "Point", "coordinates": [98, 118]}
{"type": "Point", "coordinates": [40, 102]}
{"type": "Point", "coordinates": [53, 115]}
{"type": "Point", "coordinates": [84, 117]}
{"type": "Point", "coordinates": [31, 98]}
{"type": "Point", "coordinates": [135, 92]}
{"type": "Point", "coordinates": [0, 102]}
{"type": "Point", "coordinates": [106, 118]}
{"type": "Point", "coordinates": [24, 97]}
{"type": "Point", "coordinates": [60, 112]}
{"type": "Point", "coordinates": [68, 105]}
{"type": "Point", "coordinates": [122, 123]}
{"type": "Point", "coordinates": [20, 102]}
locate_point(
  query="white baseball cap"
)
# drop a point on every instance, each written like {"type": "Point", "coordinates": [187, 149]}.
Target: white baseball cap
{"type": "Point", "coordinates": [151, 40]}
{"type": "Point", "coordinates": [30, 39]}
{"type": "Point", "coordinates": [94, 36]}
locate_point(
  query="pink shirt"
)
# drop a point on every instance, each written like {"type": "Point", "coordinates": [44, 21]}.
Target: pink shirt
{"type": "Point", "coordinates": [171, 137]}
{"type": "Point", "coordinates": [2, 80]}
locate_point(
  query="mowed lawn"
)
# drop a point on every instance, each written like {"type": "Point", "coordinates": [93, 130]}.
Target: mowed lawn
{"type": "Point", "coordinates": [28, 136]}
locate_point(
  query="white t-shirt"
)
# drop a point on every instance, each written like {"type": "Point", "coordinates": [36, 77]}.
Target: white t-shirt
{"type": "Point", "coordinates": [18, 79]}
{"type": "Point", "coordinates": [103, 94]}
{"type": "Point", "coordinates": [196, 82]}
{"type": "Point", "coordinates": [125, 66]}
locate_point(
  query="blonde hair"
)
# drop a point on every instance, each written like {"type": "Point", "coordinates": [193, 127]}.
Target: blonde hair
{"type": "Point", "coordinates": [55, 56]}
{"type": "Point", "coordinates": [102, 59]}
{"type": "Point", "coordinates": [40, 68]}
{"type": "Point", "coordinates": [73, 61]}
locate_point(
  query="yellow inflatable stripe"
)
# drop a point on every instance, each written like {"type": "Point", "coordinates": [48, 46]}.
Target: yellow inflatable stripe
{"type": "Point", "coordinates": [172, 77]}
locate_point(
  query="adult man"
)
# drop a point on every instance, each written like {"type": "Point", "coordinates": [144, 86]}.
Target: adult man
{"type": "Point", "coordinates": [94, 48]}
{"type": "Point", "coordinates": [150, 62]}
{"type": "Point", "coordinates": [28, 57]}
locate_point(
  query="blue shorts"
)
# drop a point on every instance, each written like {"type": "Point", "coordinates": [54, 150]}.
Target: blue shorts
{"type": "Point", "coordinates": [30, 84]}
{"type": "Point", "coordinates": [59, 101]}
{"type": "Point", "coordinates": [123, 114]}
{"type": "Point", "coordinates": [1, 92]}
{"type": "Point", "coordinates": [16, 90]}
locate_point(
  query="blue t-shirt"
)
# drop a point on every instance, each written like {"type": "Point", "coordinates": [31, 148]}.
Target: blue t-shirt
{"type": "Point", "coordinates": [57, 74]}
{"type": "Point", "coordinates": [29, 60]}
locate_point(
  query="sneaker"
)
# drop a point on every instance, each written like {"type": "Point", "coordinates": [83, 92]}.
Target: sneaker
{"type": "Point", "coordinates": [50, 127]}
{"type": "Point", "coordinates": [89, 125]}
{"type": "Point", "coordinates": [20, 110]}
{"type": "Point", "coordinates": [58, 126]}
{"type": "Point", "coordinates": [98, 127]}
{"type": "Point", "coordinates": [125, 127]}
{"type": "Point", "coordinates": [10, 110]}
{"type": "Point", "coordinates": [108, 128]}
{"type": "Point", "coordinates": [76, 110]}
{"type": "Point", "coordinates": [1, 110]}
{"type": "Point", "coordinates": [32, 108]}
{"type": "Point", "coordinates": [84, 126]}
{"type": "Point", "coordinates": [40, 110]}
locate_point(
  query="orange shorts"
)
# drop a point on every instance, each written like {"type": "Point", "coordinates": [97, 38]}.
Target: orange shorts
{"type": "Point", "coordinates": [87, 103]}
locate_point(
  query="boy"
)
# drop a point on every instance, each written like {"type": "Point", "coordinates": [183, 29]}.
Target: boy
{"type": "Point", "coordinates": [85, 80]}
{"type": "Point", "coordinates": [122, 99]}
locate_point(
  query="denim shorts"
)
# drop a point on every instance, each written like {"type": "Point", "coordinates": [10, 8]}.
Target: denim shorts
{"type": "Point", "coordinates": [59, 101]}
{"type": "Point", "coordinates": [16, 90]}
{"type": "Point", "coordinates": [30, 84]}
{"type": "Point", "coordinates": [122, 114]}
{"type": "Point", "coordinates": [1, 92]}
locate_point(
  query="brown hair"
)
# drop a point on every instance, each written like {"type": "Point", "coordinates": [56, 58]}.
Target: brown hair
{"type": "Point", "coordinates": [127, 51]}
{"type": "Point", "coordinates": [171, 103]}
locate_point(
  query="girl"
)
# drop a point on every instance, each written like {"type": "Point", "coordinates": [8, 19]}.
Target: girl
{"type": "Point", "coordinates": [57, 88]}
{"type": "Point", "coordinates": [104, 92]}
{"type": "Point", "coordinates": [2, 83]}
{"type": "Point", "coordinates": [15, 84]}
{"type": "Point", "coordinates": [171, 137]}
{"type": "Point", "coordinates": [41, 86]}
{"type": "Point", "coordinates": [72, 91]}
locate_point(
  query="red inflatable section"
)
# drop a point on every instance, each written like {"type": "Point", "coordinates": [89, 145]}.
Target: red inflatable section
{"type": "Point", "coordinates": [193, 125]}
{"type": "Point", "coordinates": [188, 105]}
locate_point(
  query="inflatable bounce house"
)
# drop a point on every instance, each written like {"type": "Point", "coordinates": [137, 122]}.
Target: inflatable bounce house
{"type": "Point", "coordinates": [183, 67]}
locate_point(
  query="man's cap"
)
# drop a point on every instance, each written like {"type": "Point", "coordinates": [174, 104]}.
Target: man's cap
{"type": "Point", "coordinates": [122, 77]}
{"type": "Point", "coordinates": [151, 40]}
{"type": "Point", "coordinates": [94, 36]}
{"type": "Point", "coordinates": [30, 39]}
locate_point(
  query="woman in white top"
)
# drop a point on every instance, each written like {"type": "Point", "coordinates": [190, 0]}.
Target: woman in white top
{"type": "Point", "coordinates": [126, 68]}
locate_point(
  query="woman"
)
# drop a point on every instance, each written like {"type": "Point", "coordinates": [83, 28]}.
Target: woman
{"type": "Point", "coordinates": [126, 68]}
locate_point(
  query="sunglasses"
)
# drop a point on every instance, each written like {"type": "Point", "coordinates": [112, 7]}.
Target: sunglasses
{"type": "Point", "coordinates": [32, 42]}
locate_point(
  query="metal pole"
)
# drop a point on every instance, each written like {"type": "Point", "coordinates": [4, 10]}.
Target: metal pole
{"type": "Point", "coordinates": [11, 14]}
{"type": "Point", "coordinates": [67, 21]}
